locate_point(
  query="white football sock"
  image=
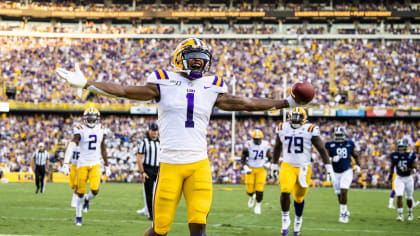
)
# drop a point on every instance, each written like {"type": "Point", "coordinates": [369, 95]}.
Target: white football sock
{"type": "Point", "coordinates": [258, 204]}
{"type": "Point", "coordinates": [343, 208]}
{"type": "Point", "coordinates": [391, 201]}
{"type": "Point", "coordinates": [90, 196]}
{"type": "Point", "coordinates": [410, 211]}
{"type": "Point", "coordinates": [74, 199]}
{"type": "Point", "coordinates": [79, 206]}
{"type": "Point", "coordinates": [285, 213]}
{"type": "Point", "coordinates": [298, 218]}
{"type": "Point", "coordinates": [400, 211]}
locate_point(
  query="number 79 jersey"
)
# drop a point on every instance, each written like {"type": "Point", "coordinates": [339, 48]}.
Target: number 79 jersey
{"type": "Point", "coordinates": [297, 143]}
{"type": "Point", "coordinates": [184, 110]}
{"type": "Point", "coordinates": [257, 153]}
{"type": "Point", "coordinates": [89, 144]}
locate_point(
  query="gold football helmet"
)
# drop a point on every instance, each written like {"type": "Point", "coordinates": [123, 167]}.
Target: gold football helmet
{"type": "Point", "coordinates": [189, 49]}
{"type": "Point", "coordinates": [91, 117]}
{"type": "Point", "coordinates": [297, 117]}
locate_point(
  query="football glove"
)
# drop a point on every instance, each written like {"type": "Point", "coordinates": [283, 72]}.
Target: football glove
{"type": "Point", "coordinates": [356, 169]}
{"type": "Point", "coordinates": [107, 171]}
{"type": "Point", "coordinates": [413, 171]}
{"type": "Point", "coordinates": [65, 169]}
{"type": "Point", "coordinates": [330, 174]}
{"type": "Point", "coordinates": [247, 169]}
{"type": "Point", "coordinates": [267, 165]}
{"type": "Point", "coordinates": [75, 78]}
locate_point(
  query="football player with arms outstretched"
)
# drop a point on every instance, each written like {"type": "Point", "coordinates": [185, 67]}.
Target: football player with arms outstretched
{"type": "Point", "coordinates": [405, 164]}
{"type": "Point", "coordinates": [295, 139]}
{"type": "Point", "coordinates": [90, 137]}
{"type": "Point", "coordinates": [256, 157]}
{"type": "Point", "coordinates": [186, 98]}
{"type": "Point", "coordinates": [341, 151]}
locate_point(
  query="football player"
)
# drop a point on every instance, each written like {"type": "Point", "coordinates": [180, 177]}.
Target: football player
{"type": "Point", "coordinates": [73, 175]}
{"type": "Point", "coordinates": [405, 164]}
{"type": "Point", "coordinates": [90, 137]}
{"type": "Point", "coordinates": [186, 98]}
{"type": "Point", "coordinates": [341, 151]}
{"type": "Point", "coordinates": [254, 157]}
{"type": "Point", "coordinates": [295, 139]}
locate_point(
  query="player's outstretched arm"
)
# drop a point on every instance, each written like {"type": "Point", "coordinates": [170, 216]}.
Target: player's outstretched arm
{"type": "Point", "coordinates": [104, 152]}
{"type": "Point", "coordinates": [229, 102]}
{"type": "Point", "coordinates": [356, 157]}
{"type": "Point", "coordinates": [245, 154]}
{"type": "Point", "coordinates": [76, 78]}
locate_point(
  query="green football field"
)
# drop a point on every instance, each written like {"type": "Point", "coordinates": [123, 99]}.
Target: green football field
{"type": "Point", "coordinates": [113, 212]}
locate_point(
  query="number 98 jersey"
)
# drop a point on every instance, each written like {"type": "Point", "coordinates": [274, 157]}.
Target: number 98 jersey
{"type": "Point", "coordinates": [297, 143]}
{"type": "Point", "coordinates": [341, 154]}
{"type": "Point", "coordinates": [89, 144]}
{"type": "Point", "coordinates": [257, 153]}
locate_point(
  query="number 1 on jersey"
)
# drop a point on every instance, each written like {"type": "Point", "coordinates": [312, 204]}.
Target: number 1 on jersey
{"type": "Point", "coordinates": [189, 123]}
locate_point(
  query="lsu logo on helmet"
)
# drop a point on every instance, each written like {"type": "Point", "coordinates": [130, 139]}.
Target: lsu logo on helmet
{"type": "Point", "coordinates": [297, 117]}
{"type": "Point", "coordinates": [189, 49]}
{"type": "Point", "coordinates": [91, 117]}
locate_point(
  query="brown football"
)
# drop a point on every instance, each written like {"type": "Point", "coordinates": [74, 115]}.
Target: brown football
{"type": "Point", "coordinates": [303, 92]}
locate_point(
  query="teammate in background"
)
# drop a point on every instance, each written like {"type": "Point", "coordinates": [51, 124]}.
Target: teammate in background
{"type": "Point", "coordinates": [185, 101]}
{"type": "Point", "coordinates": [90, 137]}
{"type": "Point", "coordinates": [392, 195]}
{"type": "Point", "coordinates": [341, 151]}
{"type": "Point", "coordinates": [40, 163]}
{"type": "Point", "coordinates": [254, 155]}
{"type": "Point", "coordinates": [73, 175]}
{"type": "Point", "coordinates": [295, 139]}
{"type": "Point", "coordinates": [404, 163]}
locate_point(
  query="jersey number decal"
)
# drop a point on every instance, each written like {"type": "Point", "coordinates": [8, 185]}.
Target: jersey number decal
{"type": "Point", "coordinates": [92, 142]}
{"type": "Point", "coordinates": [189, 123]}
{"type": "Point", "coordinates": [341, 154]}
{"type": "Point", "coordinates": [297, 143]}
{"type": "Point", "coordinates": [402, 165]}
{"type": "Point", "coordinates": [258, 154]}
{"type": "Point", "coordinates": [76, 155]}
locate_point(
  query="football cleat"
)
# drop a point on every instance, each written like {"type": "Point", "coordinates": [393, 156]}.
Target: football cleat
{"type": "Point", "coordinates": [410, 217]}
{"type": "Point", "coordinates": [344, 217]}
{"type": "Point", "coordinates": [416, 203]}
{"type": "Point", "coordinates": [257, 209]}
{"type": "Point", "coordinates": [400, 218]}
{"type": "Point", "coordinates": [251, 202]}
{"type": "Point", "coordinates": [391, 206]}
{"type": "Point", "coordinates": [285, 223]}
{"type": "Point", "coordinates": [37, 190]}
{"type": "Point", "coordinates": [297, 226]}
{"type": "Point", "coordinates": [86, 205]}
{"type": "Point", "coordinates": [78, 221]}
{"type": "Point", "coordinates": [141, 211]}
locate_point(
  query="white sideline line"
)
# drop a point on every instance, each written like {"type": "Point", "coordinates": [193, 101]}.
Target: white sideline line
{"type": "Point", "coordinates": [231, 226]}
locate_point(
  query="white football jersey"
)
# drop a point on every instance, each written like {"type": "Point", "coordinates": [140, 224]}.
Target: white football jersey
{"type": "Point", "coordinates": [75, 156]}
{"type": "Point", "coordinates": [257, 153]}
{"type": "Point", "coordinates": [297, 143]}
{"type": "Point", "coordinates": [184, 110]}
{"type": "Point", "coordinates": [89, 144]}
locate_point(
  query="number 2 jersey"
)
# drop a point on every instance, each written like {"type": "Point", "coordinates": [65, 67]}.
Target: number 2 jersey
{"type": "Point", "coordinates": [297, 143]}
{"type": "Point", "coordinates": [184, 110]}
{"type": "Point", "coordinates": [341, 154]}
{"type": "Point", "coordinates": [89, 144]}
{"type": "Point", "coordinates": [257, 153]}
{"type": "Point", "coordinates": [403, 162]}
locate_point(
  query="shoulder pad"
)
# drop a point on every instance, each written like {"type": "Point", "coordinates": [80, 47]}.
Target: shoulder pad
{"type": "Point", "coordinates": [217, 84]}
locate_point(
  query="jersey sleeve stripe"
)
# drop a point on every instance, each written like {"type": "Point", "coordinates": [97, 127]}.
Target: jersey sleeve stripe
{"type": "Point", "coordinates": [162, 75]}
{"type": "Point", "coordinates": [158, 75]}
{"type": "Point", "coordinates": [311, 128]}
{"type": "Point", "coordinates": [79, 127]}
{"type": "Point", "coordinates": [218, 81]}
{"type": "Point", "coordinates": [280, 125]}
{"type": "Point", "coordinates": [166, 75]}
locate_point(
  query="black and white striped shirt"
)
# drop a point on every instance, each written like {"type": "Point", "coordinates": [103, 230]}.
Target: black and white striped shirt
{"type": "Point", "coordinates": [150, 149]}
{"type": "Point", "coordinates": [41, 157]}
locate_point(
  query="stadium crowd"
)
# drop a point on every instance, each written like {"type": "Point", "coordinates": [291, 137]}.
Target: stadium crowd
{"type": "Point", "coordinates": [20, 134]}
{"type": "Point", "coordinates": [347, 72]}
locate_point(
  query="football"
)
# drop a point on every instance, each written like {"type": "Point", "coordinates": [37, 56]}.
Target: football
{"type": "Point", "coordinates": [302, 92]}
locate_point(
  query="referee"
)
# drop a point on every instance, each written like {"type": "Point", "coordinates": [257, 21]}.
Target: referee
{"type": "Point", "coordinates": [148, 162]}
{"type": "Point", "coordinates": [40, 159]}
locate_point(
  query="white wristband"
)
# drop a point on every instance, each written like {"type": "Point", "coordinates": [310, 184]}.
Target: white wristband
{"type": "Point", "coordinates": [291, 101]}
{"type": "Point", "coordinates": [329, 168]}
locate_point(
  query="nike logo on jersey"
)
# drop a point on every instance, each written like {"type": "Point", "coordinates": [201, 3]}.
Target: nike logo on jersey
{"type": "Point", "coordinates": [207, 87]}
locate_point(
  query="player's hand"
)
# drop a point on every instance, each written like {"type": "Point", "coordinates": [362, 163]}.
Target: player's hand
{"type": "Point", "coordinates": [275, 170]}
{"type": "Point", "coordinates": [75, 78]}
{"type": "Point", "coordinates": [292, 102]}
{"type": "Point", "coordinates": [330, 173]}
{"type": "Point", "coordinates": [65, 169]}
{"type": "Point", "coordinates": [267, 165]}
{"type": "Point", "coordinates": [247, 169]}
{"type": "Point", "coordinates": [356, 169]}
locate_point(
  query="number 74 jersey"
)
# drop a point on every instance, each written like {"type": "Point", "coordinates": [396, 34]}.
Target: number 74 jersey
{"type": "Point", "coordinates": [89, 144]}
{"type": "Point", "coordinates": [297, 143]}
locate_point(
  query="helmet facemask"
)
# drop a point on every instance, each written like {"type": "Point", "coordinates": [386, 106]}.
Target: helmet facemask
{"type": "Point", "coordinates": [339, 135]}
{"type": "Point", "coordinates": [91, 120]}
{"type": "Point", "coordinates": [296, 120]}
{"type": "Point", "coordinates": [402, 146]}
{"type": "Point", "coordinates": [196, 72]}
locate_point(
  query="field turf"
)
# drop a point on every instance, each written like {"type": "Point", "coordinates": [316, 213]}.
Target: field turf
{"type": "Point", "coordinates": [113, 212]}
